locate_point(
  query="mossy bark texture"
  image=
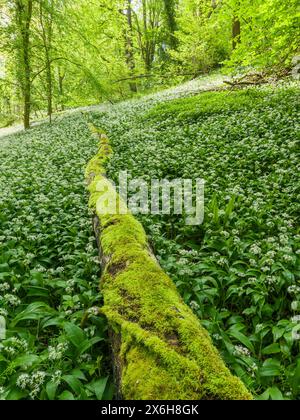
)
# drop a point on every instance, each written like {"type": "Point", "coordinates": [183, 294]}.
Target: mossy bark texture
{"type": "Point", "coordinates": [160, 349]}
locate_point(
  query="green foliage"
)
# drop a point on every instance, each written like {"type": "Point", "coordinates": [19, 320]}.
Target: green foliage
{"type": "Point", "coordinates": [269, 35]}
{"type": "Point", "coordinates": [56, 341]}
{"type": "Point", "coordinates": [269, 32]}
{"type": "Point", "coordinates": [239, 271]}
{"type": "Point", "coordinates": [158, 333]}
{"type": "Point", "coordinates": [207, 104]}
{"type": "Point", "coordinates": [204, 40]}
{"type": "Point", "coordinates": [84, 52]}
{"type": "Point", "coordinates": [6, 120]}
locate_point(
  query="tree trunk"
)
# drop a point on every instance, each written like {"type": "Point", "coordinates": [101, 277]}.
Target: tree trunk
{"type": "Point", "coordinates": [24, 15]}
{"type": "Point", "coordinates": [46, 25]}
{"type": "Point", "coordinates": [61, 87]}
{"type": "Point", "coordinates": [49, 91]}
{"type": "Point", "coordinates": [27, 68]}
{"type": "Point", "coordinates": [147, 44]}
{"type": "Point", "coordinates": [160, 349]}
{"type": "Point", "coordinates": [236, 32]}
{"type": "Point", "coordinates": [129, 46]}
{"type": "Point", "coordinates": [170, 10]}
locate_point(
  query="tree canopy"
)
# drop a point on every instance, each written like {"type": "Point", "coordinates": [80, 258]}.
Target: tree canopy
{"type": "Point", "coordinates": [60, 53]}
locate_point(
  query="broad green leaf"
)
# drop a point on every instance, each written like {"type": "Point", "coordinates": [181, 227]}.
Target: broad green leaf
{"type": "Point", "coordinates": [74, 334]}
{"type": "Point", "coordinates": [87, 344]}
{"type": "Point", "coordinates": [242, 339]}
{"type": "Point", "coordinates": [275, 393]}
{"type": "Point", "coordinates": [51, 388]}
{"type": "Point", "coordinates": [34, 311]}
{"type": "Point", "coordinates": [74, 383]}
{"type": "Point", "coordinates": [25, 361]}
{"type": "Point", "coordinates": [16, 394]}
{"type": "Point", "coordinates": [66, 395]}
{"type": "Point", "coordinates": [270, 367]}
{"type": "Point", "coordinates": [271, 349]}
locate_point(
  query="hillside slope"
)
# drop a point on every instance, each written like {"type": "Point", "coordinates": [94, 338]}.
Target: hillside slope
{"type": "Point", "coordinates": [239, 271]}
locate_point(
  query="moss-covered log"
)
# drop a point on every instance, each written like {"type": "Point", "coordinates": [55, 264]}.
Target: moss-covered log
{"type": "Point", "coordinates": [160, 349]}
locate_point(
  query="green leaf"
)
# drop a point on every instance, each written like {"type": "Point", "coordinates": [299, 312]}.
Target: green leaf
{"type": "Point", "coordinates": [77, 373]}
{"type": "Point", "coordinates": [229, 208]}
{"type": "Point", "coordinates": [270, 367]}
{"type": "Point", "coordinates": [38, 291]}
{"type": "Point", "coordinates": [98, 387]}
{"type": "Point", "coordinates": [272, 349]}
{"type": "Point", "coordinates": [275, 394]}
{"type": "Point", "coordinates": [242, 339]}
{"type": "Point", "coordinates": [57, 322]}
{"type": "Point", "coordinates": [265, 396]}
{"type": "Point", "coordinates": [34, 311]}
{"type": "Point", "coordinates": [74, 334]}
{"type": "Point", "coordinates": [25, 361]}
{"type": "Point", "coordinates": [51, 389]}
{"type": "Point", "coordinates": [88, 344]}
{"type": "Point", "coordinates": [66, 395]}
{"type": "Point", "coordinates": [74, 383]}
{"type": "Point", "coordinates": [295, 380]}
{"type": "Point", "coordinates": [16, 394]}
{"type": "Point", "coordinates": [250, 311]}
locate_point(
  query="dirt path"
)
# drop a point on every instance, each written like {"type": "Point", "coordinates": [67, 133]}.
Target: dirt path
{"type": "Point", "coordinates": [10, 130]}
{"type": "Point", "coordinates": [190, 88]}
{"type": "Point", "coordinates": [14, 129]}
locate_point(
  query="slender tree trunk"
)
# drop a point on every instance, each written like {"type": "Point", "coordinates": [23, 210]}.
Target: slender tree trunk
{"type": "Point", "coordinates": [170, 10]}
{"type": "Point", "coordinates": [24, 15]}
{"type": "Point", "coordinates": [213, 7]}
{"type": "Point", "coordinates": [61, 87]}
{"type": "Point", "coordinates": [147, 52]}
{"type": "Point", "coordinates": [49, 89]}
{"type": "Point", "coordinates": [129, 46]}
{"type": "Point", "coordinates": [46, 25]}
{"type": "Point", "coordinates": [236, 32]}
{"type": "Point", "coordinates": [27, 68]}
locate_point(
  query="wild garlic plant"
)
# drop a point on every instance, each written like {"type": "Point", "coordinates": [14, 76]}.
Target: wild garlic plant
{"type": "Point", "coordinates": [239, 270]}
{"type": "Point", "coordinates": [49, 268]}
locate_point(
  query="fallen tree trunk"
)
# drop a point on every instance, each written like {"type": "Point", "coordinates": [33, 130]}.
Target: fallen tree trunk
{"type": "Point", "coordinates": [160, 350]}
{"type": "Point", "coordinates": [258, 78]}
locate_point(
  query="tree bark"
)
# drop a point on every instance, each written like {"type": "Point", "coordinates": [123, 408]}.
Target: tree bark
{"type": "Point", "coordinates": [24, 16]}
{"type": "Point", "coordinates": [170, 10]}
{"type": "Point", "coordinates": [160, 350]}
{"type": "Point", "coordinates": [61, 78]}
{"type": "Point", "coordinates": [236, 32]}
{"type": "Point", "coordinates": [129, 46]}
{"type": "Point", "coordinates": [47, 45]}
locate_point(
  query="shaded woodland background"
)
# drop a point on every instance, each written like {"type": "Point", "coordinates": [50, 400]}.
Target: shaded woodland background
{"type": "Point", "coordinates": [56, 54]}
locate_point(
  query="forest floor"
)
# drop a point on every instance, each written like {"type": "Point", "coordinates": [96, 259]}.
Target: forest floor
{"type": "Point", "coordinates": [194, 87]}
{"type": "Point", "coordinates": [239, 270]}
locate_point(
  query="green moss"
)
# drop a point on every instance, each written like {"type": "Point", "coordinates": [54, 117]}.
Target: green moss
{"type": "Point", "coordinates": [165, 352]}
{"type": "Point", "coordinates": [96, 165]}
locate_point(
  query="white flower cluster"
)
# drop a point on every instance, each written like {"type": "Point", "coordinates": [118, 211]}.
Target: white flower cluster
{"type": "Point", "coordinates": [9, 299]}
{"type": "Point", "coordinates": [57, 352]}
{"type": "Point", "coordinates": [4, 287]}
{"type": "Point", "coordinates": [47, 238]}
{"type": "Point", "coordinates": [241, 351]}
{"type": "Point", "coordinates": [194, 306]}
{"type": "Point", "coordinates": [255, 249]}
{"type": "Point", "coordinates": [32, 382]}
{"type": "Point", "coordinates": [293, 290]}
